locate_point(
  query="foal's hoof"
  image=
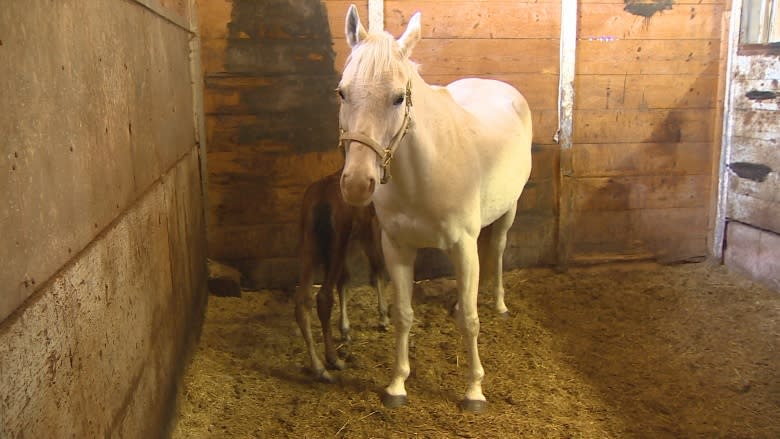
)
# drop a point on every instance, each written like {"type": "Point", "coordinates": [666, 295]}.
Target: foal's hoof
{"type": "Point", "coordinates": [473, 405]}
{"type": "Point", "coordinates": [324, 377]}
{"type": "Point", "coordinates": [503, 315]}
{"type": "Point", "coordinates": [383, 326]}
{"type": "Point", "coordinates": [339, 364]}
{"type": "Point", "coordinates": [393, 401]}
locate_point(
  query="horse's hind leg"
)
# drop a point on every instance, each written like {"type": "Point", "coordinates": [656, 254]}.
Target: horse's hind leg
{"type": "Point", "coordinates": [303, 305]}
{"type": "Point", "coordinates": [495, 243]}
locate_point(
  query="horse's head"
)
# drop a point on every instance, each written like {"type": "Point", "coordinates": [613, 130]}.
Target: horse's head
{"type": "Point", "coordinates": [375, 92]}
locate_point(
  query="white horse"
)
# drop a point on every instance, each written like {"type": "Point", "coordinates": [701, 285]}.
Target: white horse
{"type": "Point", "coordinates": [440, 164]}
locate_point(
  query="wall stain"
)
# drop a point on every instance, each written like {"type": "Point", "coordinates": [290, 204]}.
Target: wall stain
{"type": "Point", "coordinates": [752, 171]}
{"type": "Point", "coordinates": [288, 42]}
{"type": "Point", "coordinates": [647, 8]}
{"type": "Point", "coordinates": [758, 95]}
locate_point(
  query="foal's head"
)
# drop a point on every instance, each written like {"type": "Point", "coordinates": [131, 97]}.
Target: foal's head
{"type": "Point", "coordinates": [375, 103]}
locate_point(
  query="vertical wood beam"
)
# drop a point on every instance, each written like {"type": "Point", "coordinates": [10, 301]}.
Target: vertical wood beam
{"type": "Point", "coordinates": [568, 49]}
{"type": "Point", "coordinates": [198, 107]}
{"type": "Point", "coordinates": [728, 128]}
{"type": "Point", "coordinates": [376, 15]}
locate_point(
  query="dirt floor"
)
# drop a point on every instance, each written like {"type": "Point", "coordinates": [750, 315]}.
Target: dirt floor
{"type": "Point", "coordinates": [616, 351]}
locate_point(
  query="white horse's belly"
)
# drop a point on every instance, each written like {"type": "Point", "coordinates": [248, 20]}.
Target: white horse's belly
{"type": "Point", "coordinates": [503, 185]}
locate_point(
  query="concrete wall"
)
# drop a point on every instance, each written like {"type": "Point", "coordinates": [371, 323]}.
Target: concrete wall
{"type": "Point", "coordinates": [103, 284]}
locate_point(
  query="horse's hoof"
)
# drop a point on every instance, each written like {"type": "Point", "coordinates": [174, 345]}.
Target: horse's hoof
{"type": "Point", "coordinates": [383, 327]}
{"type": "Point", "coordinates": [473, 405]}
{"type": "Point", "coordinates": [345, 337]}
{"type": "Point", "coordinates": [504, 315]}
{"type": "Point", "coordinates": [393, 401]}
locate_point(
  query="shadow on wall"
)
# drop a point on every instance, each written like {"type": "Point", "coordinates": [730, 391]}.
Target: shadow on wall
{"type": "Point", "coordinates": [287, 42]}
{"type": "Point", "coordinates": [648, 198]}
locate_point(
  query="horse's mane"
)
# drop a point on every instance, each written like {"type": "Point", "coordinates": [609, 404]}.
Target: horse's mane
{"type": "Point", "coordinates": [376, 55]}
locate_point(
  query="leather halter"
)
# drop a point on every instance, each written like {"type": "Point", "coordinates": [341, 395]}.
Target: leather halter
{"type": "Point", "coordinates": [386, 153]}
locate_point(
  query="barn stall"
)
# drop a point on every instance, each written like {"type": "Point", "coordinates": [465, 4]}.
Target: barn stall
{"type": "Point", "coordinates": [666, 152]}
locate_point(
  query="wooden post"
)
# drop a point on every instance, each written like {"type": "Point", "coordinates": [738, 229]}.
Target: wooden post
{"type": "Point", "coordinates": [376, 15]}
{"type": "Point", "coordinates": [564, 134]}
{"type": "Point", "coordinates": [725, 151]}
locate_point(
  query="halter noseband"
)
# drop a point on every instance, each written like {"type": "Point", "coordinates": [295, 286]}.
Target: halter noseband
{"type": "Point", "coordinates": [386, 154]}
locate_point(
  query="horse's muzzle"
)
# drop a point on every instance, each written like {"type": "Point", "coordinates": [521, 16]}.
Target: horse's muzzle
{"type": "Point", "coordinates": [357, 190]}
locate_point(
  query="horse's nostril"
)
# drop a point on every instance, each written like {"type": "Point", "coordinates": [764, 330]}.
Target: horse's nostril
{"type": "Point", "coordinates": [371, 185]}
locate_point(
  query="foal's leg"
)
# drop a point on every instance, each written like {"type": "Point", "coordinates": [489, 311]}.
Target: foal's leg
{"type": "Point", "coordinates": [400, 264]}
{"type": "Point", "coordinates": [494, 257]}
{"type": "Point", "coordinates": [303, 305]}
{"type": "Point", "coordinates": [325, 299]}
{"type": "Point", "coordinates": [466, 262]}
{"type": "Point", "coordinates": [343, 317]}
{"type": "Point", "coordinates": [372, 249]}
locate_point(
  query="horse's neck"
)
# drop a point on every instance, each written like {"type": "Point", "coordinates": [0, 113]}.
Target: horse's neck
{"type": "Point", "coordinates": [428, 142]}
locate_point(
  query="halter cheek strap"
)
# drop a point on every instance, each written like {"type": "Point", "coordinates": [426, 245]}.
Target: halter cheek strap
{"type": "Point", "coordinates": [386, 153]}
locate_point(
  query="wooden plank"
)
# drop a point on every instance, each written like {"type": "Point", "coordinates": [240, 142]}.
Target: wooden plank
{"type": "Point", "coordinates": [672, 5]}
{"type": "Point", "coordinates": [648, 57]}
{"type": "Point", "coordinates": [476, 19]}
{"type": "Point", "coordinates": [754, 252]}
{"type": "Point", "coordinates": [544, 123]}
{"type": "Point", "coordinates": [631, 126]}
{"type": "Point", "coordinates": [306, 96]}
{"type": "Point", "coordinates": [277, 132]}
{"type": "Point", "coordinates": [625, 159]}
{"type": "Point", "coordinates": [757, 124]}
{"type": "Point", "coordinates": [216, 17]}
{"type": "Point", "coordinates": [760, 67]}
{"type": "Point", "coordinates": [643, 92]}
{"type": "Point", "coordinates": [469, 57]}
{"type": "Point", "coordinates": [759, 213]}
{"type": "Point", "coordinates": [260, 241]}
{"type": "Point", "coordinates": [539, 197]}
{"type": "Point", "coordinates": [271, 169]}
{"type": "Point", "coordinates": [746, 149]}
{"type": "Point", "coordinates": [611, 20]}
{"type": "Point", "coordinates": [273, 132]}
{"type": "Point", "coordinates": [247, 202]}
{"type": "Point", "coordinates": [765, 190]}
{"type": "Point", "coordinates": [539, 89]}
{"type": "Point", "coordinates": [530, 241]}
{"type": "Point", "coordinates": [756, 94]}
{"type": "Point", "coordinates": [544, 159]}
{"type": "Point", "coordinates": [667, 234]}
{"type": "Point", "coordinates": [640, 192]}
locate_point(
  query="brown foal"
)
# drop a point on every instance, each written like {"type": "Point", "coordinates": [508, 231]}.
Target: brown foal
{"type": "Point", "coordinates": [328, 226]}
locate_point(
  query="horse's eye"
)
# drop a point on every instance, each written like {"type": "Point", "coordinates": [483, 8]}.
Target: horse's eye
{"type": "Point", "coordinates": [398, 100]}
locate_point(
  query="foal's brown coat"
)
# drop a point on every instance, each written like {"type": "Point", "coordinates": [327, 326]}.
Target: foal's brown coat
{"type": "Point", "coordinates": [328, 225]}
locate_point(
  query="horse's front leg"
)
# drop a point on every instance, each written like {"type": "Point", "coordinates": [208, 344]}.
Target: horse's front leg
{"type": "Point", "coordinates": [465, 260]}
{"type": "Point", "coordinates": [400, 264]}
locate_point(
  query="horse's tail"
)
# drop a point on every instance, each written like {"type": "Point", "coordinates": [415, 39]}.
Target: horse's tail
{"type": "Point", "coordinates": [323, 232]}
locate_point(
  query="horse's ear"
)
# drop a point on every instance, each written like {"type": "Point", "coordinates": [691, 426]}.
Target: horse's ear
{"type": "Point", "coordinates": [353, 28]}
{"type": "Point", "coordinates": [411, 36]}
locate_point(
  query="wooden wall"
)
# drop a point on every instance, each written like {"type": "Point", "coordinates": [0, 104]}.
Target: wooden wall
{"type": "Point", "coordinates": [644, 145]}
{"type": "Point", "coordinates": [645, 125]}
{"type": "Point", "coordinates": [270, 69]}
{"type": "Point", "coordinates": [103, 283]}
{"type": "Point", "coordinates": [752, 241]}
